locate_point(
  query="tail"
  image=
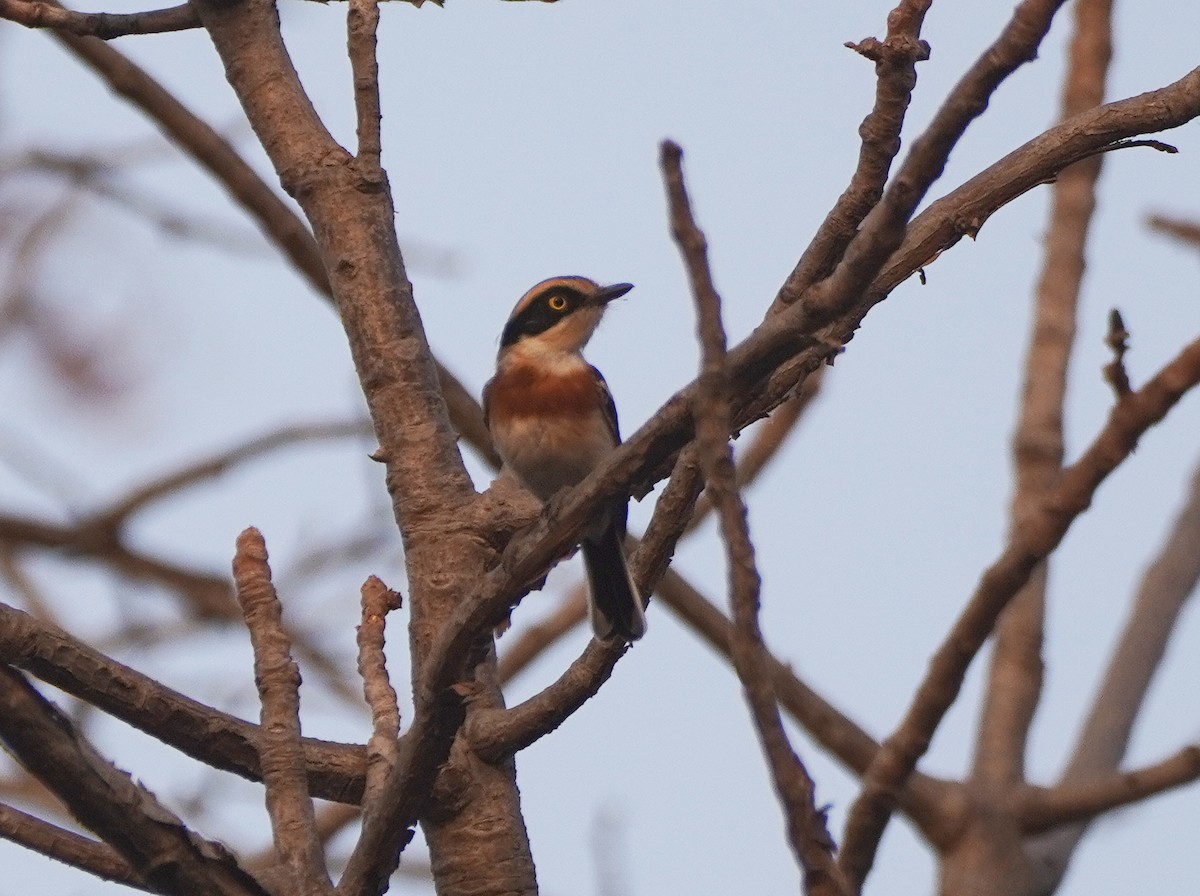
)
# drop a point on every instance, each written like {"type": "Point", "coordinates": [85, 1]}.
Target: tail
{"type": "Point", "coordinates": [613, 600]}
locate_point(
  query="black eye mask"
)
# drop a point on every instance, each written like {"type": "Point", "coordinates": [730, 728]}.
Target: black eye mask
{"type": "Point", "coordinates": [538, 316]}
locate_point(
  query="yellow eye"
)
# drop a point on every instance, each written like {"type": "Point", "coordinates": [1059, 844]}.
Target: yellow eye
{"type": "Point", "coordinates": [556, 303]}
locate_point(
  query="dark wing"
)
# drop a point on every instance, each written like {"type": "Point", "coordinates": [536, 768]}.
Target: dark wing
{"type": "Point", "coordinates": [610, 407]}
{"type": "Point", "coordinates": [620, 509]}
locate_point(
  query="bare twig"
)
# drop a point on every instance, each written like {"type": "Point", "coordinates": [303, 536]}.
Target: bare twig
{"type": "Point", "coordinates": [377, 601]}
{"type": "Point", "coordinates": [895, 58]}
{"type": "Point", "coordinates": [1187, 232]}
{"type": "Point", "coordinates": [883, 230]}
{"type": "Point", "coordinates": [221, 462]}
{"type": "Point", "coordinates": [1046, 808]}
{"type": "Point", "coordinates": [103, 25]}
{"type": "Point", "coordinates": [1029, 544]}
{"type": "Point", "coordinates": [293, 825]}
{"type": "Point", "coordinates": [807, 827]}
{"type": "Point", "coordinates": [362, 24]}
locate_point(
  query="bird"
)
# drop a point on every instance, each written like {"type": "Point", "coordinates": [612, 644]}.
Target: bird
{"type": "Point", "coordinates": [553, 420]}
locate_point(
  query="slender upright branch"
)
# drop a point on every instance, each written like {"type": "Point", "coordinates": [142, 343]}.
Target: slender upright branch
{"type": "Point", "coordinates": [1015, 674]}
{"type": "Point", "coordinates": [382, 748]}
{"type": "Point", "coordinates": [807, 829]}
{"type": "Point", "coordinates": [293, 824]}
{"type": "Point", "coordinates": [362, 25]}
{"type": "Point", "coordinates": [895, 58]}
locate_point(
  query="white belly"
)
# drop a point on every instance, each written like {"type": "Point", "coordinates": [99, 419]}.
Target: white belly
{"type": "Point", "coordinates": [549, 454]}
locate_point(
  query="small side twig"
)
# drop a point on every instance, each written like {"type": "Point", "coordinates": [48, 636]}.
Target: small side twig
{"type": "Point", "coordinates": [362, 25]}
{"type": "Point", "coordinates": [1185, 231]}
{"type": "Point", "coordinates": [1081, 802]}
{"type": "Point", "coordinates": [807, 828]}
{"type": "Point", "coordinates": [377, 601]}
{"type": "Point", "coordinates": [293, 824]}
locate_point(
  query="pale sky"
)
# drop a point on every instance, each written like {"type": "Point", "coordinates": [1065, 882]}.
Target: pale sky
{"type": "Point", "coordinates": [521, 142]}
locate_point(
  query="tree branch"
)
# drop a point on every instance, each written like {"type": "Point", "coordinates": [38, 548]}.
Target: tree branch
{"type": "Point", "coordinates": [101, 25]}
{"type": "Point", "coordinates": [277, 676]}
{"type": "Point", "coordinates": [382, 748]}
{"type": "Point", "coordinates": [97, 859]}
{"type": "Point", "coordinates": [336, 771]}
{"type": "Point", "coordinates": [1080, 803]}
{"type": "Point", "coordinates": [807, 827]}
{"type": "Point", "coordinates": [1038, 534]}
{"type": "Point", "coordinates": [895, 59]}
{"type": "Point", "coordinates": [1162, 594]}
{"type": "Point", "coordinates": [278, 222]}
{"type": "Point", "coordinates": [1015, 676]}
{"type": "Point", "coordinates": [157, 845]}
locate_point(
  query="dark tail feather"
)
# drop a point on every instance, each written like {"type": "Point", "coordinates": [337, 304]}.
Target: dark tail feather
{"type": "Point", "coordinates": [613, 599]}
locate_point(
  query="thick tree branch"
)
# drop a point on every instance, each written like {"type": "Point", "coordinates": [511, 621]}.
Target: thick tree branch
{"type": "Point", "coordinates": [336, 771]}
{"type": "Point", "coordinates": [1029, 544]}
{"type": "Point", "coordinates": [156, 844]}
{"type": "Point", "coordinates": [97, 859]}
{"type": "Point", "coordinates": [1015, 675]}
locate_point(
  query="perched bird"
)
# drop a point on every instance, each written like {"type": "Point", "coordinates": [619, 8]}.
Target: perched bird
{"type": "Point", "coordinates": [553, 420]}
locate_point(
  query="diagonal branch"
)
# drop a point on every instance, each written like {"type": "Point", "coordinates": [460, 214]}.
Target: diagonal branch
{"type": "Point", "coordinates": [156, 844]}
{"type": "Point", "coordinates": [335, 771]}
{"type": "Point", "coordinates": [97, 859]}
{"type": "Point", "coordinates": [1029, 544]}
{"type": "Point", "coordinates": [1163, 593]}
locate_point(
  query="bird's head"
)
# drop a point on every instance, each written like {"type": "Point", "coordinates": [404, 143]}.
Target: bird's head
{"type": "Point", "coordinates": [558, 316]}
